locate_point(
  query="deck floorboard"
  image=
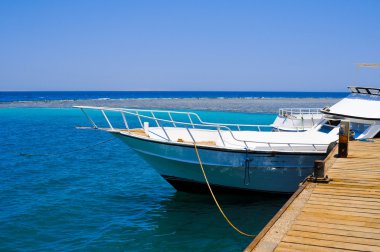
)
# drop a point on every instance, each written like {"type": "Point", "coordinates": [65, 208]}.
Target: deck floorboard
{"type": "Point", "coordinates": [342, 215]}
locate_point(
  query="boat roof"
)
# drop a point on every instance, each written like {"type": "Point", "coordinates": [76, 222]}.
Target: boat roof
{"type": "Point", "coordinates": [362, 103]}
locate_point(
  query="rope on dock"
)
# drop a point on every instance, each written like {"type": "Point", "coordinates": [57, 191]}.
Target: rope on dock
{"type": "Point", "coordinates": [215, 200]}
{"type": "Point", "coordinates": [67, 152]}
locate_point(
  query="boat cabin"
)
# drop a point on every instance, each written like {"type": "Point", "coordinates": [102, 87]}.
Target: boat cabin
{"type": "Point", "coordinates": [361, 107]}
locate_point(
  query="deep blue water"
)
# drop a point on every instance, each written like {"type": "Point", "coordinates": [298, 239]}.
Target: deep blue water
{"type": "Point", "coordinates": [106, 198]}
{"type": "Point", "coordinates": [80, 95]}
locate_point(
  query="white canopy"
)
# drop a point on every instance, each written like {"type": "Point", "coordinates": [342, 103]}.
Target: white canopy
{"type": "Point", "coordinates": [356, 105]}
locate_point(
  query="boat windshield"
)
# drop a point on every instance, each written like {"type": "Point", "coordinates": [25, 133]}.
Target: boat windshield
{"type": "Point", "coordinates": [359, 128]}
{"type": "Point", "coordinates": [329, 125]}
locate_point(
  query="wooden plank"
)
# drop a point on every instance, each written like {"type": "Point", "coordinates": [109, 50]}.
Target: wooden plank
{"type": "Point", "coordinates": [346, 184]}
{"type": "Point", "coordinates": [330, 244]}
{"type": "Point", "coordinates": [360, 165]}
{"type": "Point", "coordinates": [342, 178]}
{"type": "Point", "coordinates": [285, 246]}
{"type": "Point", "coordinates": [336, 238]}
{"type": "Point", "coordinates": [334, 231]}
{"type": "Point", "coordinates": [357, 175]}
{"type": "Point", "coordinates": [323, 197]}
{"type": "Point", "coordinates": [354, 175]}
{"type": "Point", "coordinates": [347, 203]}
{"type": "Point", "coordinates": [352, 169]}
{"type": "Point", "coordinates": [354, 187]}
{"type": "Point", "coordinates": [360, 222]}
{"type": "Point", "coordinates": [366, 157]}
{"type": "Point", "coordinates": [358, 193]}
{"type": "Point", "coordinates": [348, 209]}
{"type": "Point", "coordinates": [361, 162]}
{"type": "Point", "coordinates": [335, 226]}
{"type": "Point", "coordinates": [339, 187]}
{"type": "Point", "coordinates": [348, 191]}
{"type": "Point", "coordinates": [343, 197]}
{"type": "Point", "coordinates": [359, 216]}
{"type": "Point", "coordinates": [356, 181]}
{"type": "Point", "coordinates": [329, 194]}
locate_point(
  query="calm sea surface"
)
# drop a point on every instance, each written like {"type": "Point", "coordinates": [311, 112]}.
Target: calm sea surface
{"type": "Point", "coordinates": [78, 196]}
{"type": "Point", "coordinates": [105, 197]}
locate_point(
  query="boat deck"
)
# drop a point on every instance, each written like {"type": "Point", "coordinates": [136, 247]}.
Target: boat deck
{"type": "Point", "coordinates": [342, 215]}
{"type": "Point", "coordinates": [314, 142]}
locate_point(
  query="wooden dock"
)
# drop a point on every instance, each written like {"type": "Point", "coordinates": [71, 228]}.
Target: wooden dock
{"type": "Point", "coordinates": [342, 215]}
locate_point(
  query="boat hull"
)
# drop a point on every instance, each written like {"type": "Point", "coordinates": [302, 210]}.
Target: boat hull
{"type": "Point", "coordinates": [227, 170]}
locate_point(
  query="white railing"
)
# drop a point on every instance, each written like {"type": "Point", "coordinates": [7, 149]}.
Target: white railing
{"type": "Point", "coordinates": [188, 125]}
{"type": "Point", "coordinates": [299, 111]}
{"type": "Point", "coordinates": [154, 116]}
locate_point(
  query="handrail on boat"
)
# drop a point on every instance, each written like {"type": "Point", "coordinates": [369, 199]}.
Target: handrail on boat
{"type": "Point", "coordinates": [299, 111]}
{"type": "Point", "coordinates": [187, 125]}
{"type": "Point", "coordinates": [170, 112]}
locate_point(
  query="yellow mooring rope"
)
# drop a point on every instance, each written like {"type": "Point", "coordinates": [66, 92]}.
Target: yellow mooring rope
{"type": "Point", "coordinates": [215, 200]}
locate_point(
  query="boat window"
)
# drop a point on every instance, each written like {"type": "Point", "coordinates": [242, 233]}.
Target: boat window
{"type": "Point", "coordinates": [359, 128]}
{"type": "Point", "coordinates": [329, 125]}
{"type": "Point", "coordinates": [333, 122]}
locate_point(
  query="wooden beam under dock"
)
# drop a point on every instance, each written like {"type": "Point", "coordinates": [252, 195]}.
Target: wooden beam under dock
{"type": "Point", "coordinates": [341, 215]}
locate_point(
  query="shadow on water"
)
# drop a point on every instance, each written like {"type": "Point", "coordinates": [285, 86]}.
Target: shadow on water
{"type": "Point", "coordinates": [192, 221]}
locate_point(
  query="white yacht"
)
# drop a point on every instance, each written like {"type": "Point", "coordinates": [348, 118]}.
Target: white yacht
{"type": "Point", "coordinates": [361, 108]}
{"type": "Point", "coordinates": [296, 119]}
{"type": "Point", "coordinates": [237, 157]}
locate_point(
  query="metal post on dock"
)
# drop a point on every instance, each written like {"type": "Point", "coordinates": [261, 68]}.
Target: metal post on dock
{"type": "Point", "coordinates": [344, 135]}
{"type": "Point", "coordinates": [319, 169]}
{"type": "Point", "coordinates": [319, 172]}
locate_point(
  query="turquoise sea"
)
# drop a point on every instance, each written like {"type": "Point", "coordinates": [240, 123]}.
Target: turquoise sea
{"type": "Point", "coordinates": [105, 197]}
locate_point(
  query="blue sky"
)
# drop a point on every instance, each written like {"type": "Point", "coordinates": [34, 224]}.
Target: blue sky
{"type": "Point", "coordinates": [188, 45]}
